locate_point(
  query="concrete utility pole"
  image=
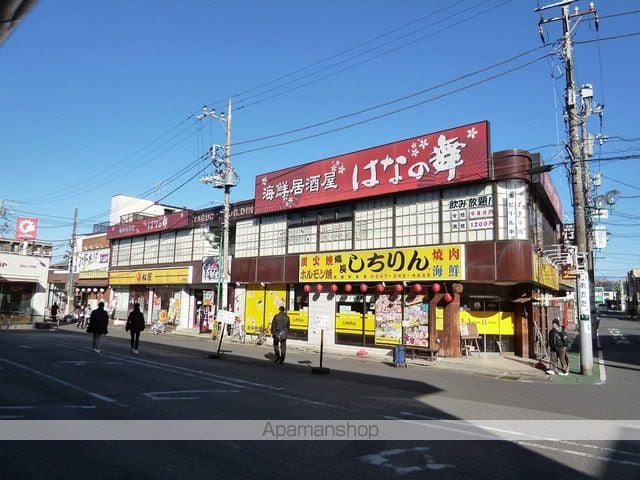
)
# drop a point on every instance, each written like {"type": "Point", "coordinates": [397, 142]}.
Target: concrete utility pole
{"type": "Point", "coordinates": [71, 285]}
{"type": "Point", "coordinates": [224, 176]}
{"type": "Point", "coordinates": [578, 182]}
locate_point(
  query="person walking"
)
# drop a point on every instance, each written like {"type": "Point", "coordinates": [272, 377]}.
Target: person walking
{"type": "Point", "coordinates": [557, 350]}
{"type": "Point", "coordinates": [98, 322]}
{"type": "Point", "coordinates": [81, 316]}
{"type": "Point", "coordinates": [54, 312]}
{"type": "Point", "coordinates": [279, 332]}
{"type": "Point", "coordinates": [135, 325]}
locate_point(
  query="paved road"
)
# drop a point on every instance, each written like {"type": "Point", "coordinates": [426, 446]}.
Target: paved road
{"type": "Point", "coordinates": [56, 376]}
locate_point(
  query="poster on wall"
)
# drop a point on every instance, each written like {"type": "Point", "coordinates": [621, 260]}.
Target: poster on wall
{"type": "Point", "coordinates": [416, 321]}
{"type": "Point", "coordinates": [211, 269]}
{"type": "Point", "coordinates": [388, 317]}
{"type": "Point", "coordinates": [262, 303]}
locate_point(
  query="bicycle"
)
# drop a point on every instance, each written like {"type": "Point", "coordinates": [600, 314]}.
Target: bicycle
{"type": "Point", "coordinates": [238, 332]}
{"type": "Point", "coordinates": [157, 328]}
{"type": "Point", "coordinates": [539, 345]}
{"type": "Point", "coordinates": [260, 336]}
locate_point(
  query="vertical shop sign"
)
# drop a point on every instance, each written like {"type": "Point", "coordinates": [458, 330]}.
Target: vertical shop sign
{"type": "Point", "coordinates": [388, 318]}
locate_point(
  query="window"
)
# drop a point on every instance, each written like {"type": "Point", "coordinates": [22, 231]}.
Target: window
{"type": "Point", "coordinates": [272, 235]}
{"type": "Point", "coordinates": [247, 234]}
{"type": "Point", "coordinates": [512, 210]}
{"type": "Point", "coordinates": [336, 236]}
{"type": "Point", "coordinates": [115, 249]}
{"type": "Point", "coordinates": [374, 224]}
{"type": "Point", "coordinates": [467, 214]}
{"type": "Point", "coordinates": [167, 247]}
{"type": "Point", "coordinates": [184, 245]}
{"type": "Point", "coordinates": [137, 251]}
{"type": "Point", "coordinates": [124, 252]}
{"type": "Point", "coordinates": [151, 245]}
{"type": "Point", "coordinates": [418, 219]}
{"type": "Point", "coordinates": [303, 239]}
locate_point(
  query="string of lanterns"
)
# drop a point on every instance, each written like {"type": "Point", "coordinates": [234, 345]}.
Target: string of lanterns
{"type": "Point", "coordinates": [416, 288]}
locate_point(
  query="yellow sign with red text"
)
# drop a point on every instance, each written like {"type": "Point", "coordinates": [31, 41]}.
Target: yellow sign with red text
{"type": "Point", "coordinates": [442, 262]}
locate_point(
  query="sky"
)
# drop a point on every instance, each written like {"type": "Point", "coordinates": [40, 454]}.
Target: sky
{"type": "Point", "coordinates": [102, 98]}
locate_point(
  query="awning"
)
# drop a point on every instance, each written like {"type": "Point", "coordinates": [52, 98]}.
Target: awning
{"type": "Point", "coordinates": [11, 279]}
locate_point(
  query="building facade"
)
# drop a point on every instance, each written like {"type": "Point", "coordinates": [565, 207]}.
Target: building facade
{"type": "Point", "coordinates": [404, 243]}
{"type": "Point", "coordinates": [24, 267]}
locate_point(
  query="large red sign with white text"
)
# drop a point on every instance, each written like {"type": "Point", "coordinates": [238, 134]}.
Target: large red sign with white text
{"type": "Point", "coordinates": [149, 225]}
{"type": "Point", "coordinates": [451, 156]}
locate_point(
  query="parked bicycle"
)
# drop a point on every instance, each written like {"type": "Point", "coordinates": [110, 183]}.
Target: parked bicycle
{"type": "Point", "coordinates": [157, 328]}
{"type": "Point", "coordinates": [238, 332]}
{"type": "Point", "coordinates": [260, 336]}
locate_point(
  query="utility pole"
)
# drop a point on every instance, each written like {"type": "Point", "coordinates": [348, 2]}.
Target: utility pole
{"type": "Point", "coordinates": [223, 176]}
{"type": "Point", "coordinates": [71, 285]}
{"type": "Point", "coordinates": [578, 182]}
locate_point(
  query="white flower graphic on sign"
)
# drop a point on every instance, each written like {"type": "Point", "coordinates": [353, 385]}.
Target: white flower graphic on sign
{"type": "Point", "coordinates": [472, 132]}
{"type": "Point", "coordinates": [424, 143]}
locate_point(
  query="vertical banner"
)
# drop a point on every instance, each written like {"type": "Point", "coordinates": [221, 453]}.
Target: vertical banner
{"type": "Point", "coordinates": [388, 315]}
{"type": "Point", "coordinates": [26, 228]}
{"type": "Point", "coordinates": [416, 321]}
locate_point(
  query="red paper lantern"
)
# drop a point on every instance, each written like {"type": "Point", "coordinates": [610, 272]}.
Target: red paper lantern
{"type": "Point", "coordinates": [364, 287]}
{"type": "Point", "coordinates": [347, 287]}
{"type": "Point", "coordinates": [398, 288]}
{"type": "Point", "coordinates": [448, 298]}
{"type": "Point", "coordinates": [319, 288]}
{"type": "Point", "coordinates": [436, 287]}
{"type": "Point", "coordinates": [417, 288]}
{"type": "Point", "coordinates": [379, 288]}
{"type": "Point", "coordinates": [334, 288]}
{"type": "Point", "coordinates": [307, 288]}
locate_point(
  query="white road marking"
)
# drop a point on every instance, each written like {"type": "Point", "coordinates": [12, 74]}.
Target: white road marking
{"type": "Point", "coordinates": [26, 346]}
{"type": "Point", "coordinates": [177, 394]}
{"type": "Point", "coordinates": [396, 460]}
{"type": "Point", "coordinates": [60, 381]}
{"type": "Point", "coordinates": [579, 454]}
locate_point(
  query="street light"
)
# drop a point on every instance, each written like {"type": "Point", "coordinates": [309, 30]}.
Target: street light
{"type": "Point", "coordinates": [223, 176]}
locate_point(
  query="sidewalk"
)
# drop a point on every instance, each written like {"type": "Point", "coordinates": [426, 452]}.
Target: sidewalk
{"type": "Point", "coordinates": [574, 377]}
{"type": "Point", "coordinates": [505, 366]}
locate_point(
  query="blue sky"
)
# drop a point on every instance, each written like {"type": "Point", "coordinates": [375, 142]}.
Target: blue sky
{"type": "Point", "coordinates": [100, 98]}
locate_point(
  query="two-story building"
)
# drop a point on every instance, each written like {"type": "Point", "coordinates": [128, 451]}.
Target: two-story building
{"type": "Point", "coordinates": [403, 243]}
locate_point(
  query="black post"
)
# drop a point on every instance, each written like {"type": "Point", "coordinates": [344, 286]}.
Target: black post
{"type": "Point", "coordinates": [321, 369]}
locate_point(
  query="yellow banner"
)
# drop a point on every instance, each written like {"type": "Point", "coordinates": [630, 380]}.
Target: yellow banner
{"type": "Point", "coordinates": [351, 322]}
{"type": "Point", "coordinates": [544, 273]}
{"type": "Point", "coordinates": [299, 320]}
{"type": "Point", "coordinates": [151, 276]}
{"type": "Point", "coordinates": [443, 262]}
{"type": "Point", "coordinates": [261, 304]}
{"type": "Point", "coordinates": [490, 323]}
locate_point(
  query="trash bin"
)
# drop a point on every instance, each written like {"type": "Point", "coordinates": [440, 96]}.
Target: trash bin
{"type": "Point", "coordinates": [399, 356]}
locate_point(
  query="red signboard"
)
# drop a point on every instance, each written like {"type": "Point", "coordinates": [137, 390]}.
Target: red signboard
{"type": "Point", "coordinates": [149, 225]}
{"type": "Point", "coordinates": [26, 228]}
{"type": "Point", "coordinates": [457, 155]}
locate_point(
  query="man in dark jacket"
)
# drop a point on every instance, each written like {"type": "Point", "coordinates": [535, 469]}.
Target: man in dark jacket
{"type": "Point", "coordinates": [135, 324]}
{"type": "Point", "coordinates": [98, 322]}
{"type": "Point", "coordinates": [557, 350]}
{"type": "Point", "coordinates": [279, 332]}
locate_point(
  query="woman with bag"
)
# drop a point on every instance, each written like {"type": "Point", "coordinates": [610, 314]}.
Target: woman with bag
{"type": "Point", "coordinates": [279, 331]}
{"type": "Point", "coordinates": [135, 325]}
